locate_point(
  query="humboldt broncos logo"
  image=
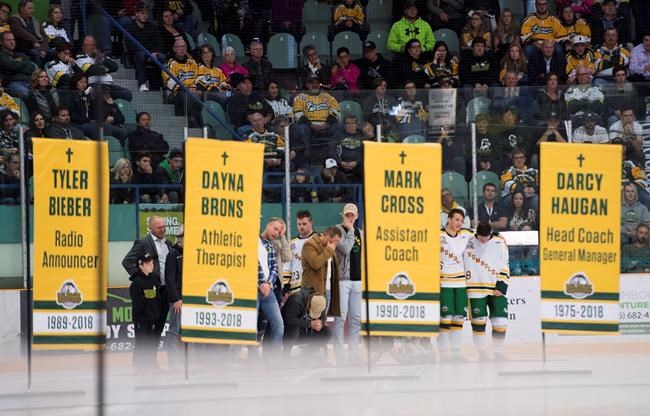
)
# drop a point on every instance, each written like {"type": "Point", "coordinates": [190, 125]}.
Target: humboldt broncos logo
{"type": "Point", "coordinates": [578, 286]}
{"type": "Point", "coordinates": [401, 286]}
{"type": "Point", "coordinates": [219, 294]}
{"type": "Point", "coordinates": [69, 296]}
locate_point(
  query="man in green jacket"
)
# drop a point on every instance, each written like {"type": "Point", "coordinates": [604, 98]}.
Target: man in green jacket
{"type": "Point", "coordinates": [411, 26]}
{"type": "Point", "coordinates": [170, 172]}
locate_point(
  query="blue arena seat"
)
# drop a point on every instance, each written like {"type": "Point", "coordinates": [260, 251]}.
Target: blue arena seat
{"type": "Point", "coordinates": [115, 150]}
{"type": "Point", "coordinates": [456, 183]}
{"type": "Point", "coordinates": [450, 38]}
{"type": "Point", "coordinates": [379, 14]}
{"type": "Point", "coordinates": [230, 39]}
{"type": "Point", "coordinates": [282, 51]}
{"type": "Point", "coordinates": [316, 16]}
{"type": "Point", "coordinates": [351, 41]}
{"type": "Point", "coordinates": [218, 130]}
{"type": "Point", "coordinates": [380, 37]}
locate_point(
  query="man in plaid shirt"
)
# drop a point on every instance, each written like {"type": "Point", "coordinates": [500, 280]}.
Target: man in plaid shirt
{"type": "Point", "coordinates": [267, 275]}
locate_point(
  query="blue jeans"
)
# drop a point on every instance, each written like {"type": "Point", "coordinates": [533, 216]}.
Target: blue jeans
{"type": "Point", "coordinates": [271, 309]}
{"type": "Point", "coordinates": [174, 350]}
{"type": "Point", "coordinates": [350, 299]}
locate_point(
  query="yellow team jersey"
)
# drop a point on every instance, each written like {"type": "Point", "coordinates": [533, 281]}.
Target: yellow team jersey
{"type": "Point", "coordinates": [186, 72]}
{"type": "Point", "coordinates": [343, 13]}
{"type": "Point", "coordinates": [317, 108]}
{"type": "Point", "coordinates": [536, 28]}
{"type": "Point", "coordinates": [208, 79]}
{"type": "Point", "coordinates": [579, 27]}
{"type": "Point", "coordinates": [573, 62]}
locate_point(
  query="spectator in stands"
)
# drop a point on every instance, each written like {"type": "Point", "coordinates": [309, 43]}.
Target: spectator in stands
{"type": "Point", "coordinates": [37, 126]}
{"type": "Point", "coordinates": [448, 14]}
{"type": "Point", "coordinates": [244, 102]}
{"type": "Point", "coordinates": [475, 28]}
{"type": "Point", "coordinates": [314, 67]}
{"type": "Point", "coordinates": [550, 99]}
{"type": "Point", "coordinates": [447, 204]}
{"type": "Point", "coordinates": [411, 26]}
{"type": "Point", "coordinates": [628, 129]}
{"type": "Point", "coordinates": [609, 55]}
{"type": "Point", "coordinates": [453, 148]}
{"type": "Point", "coordinates": [552, 131]}
{"type": "Point", "coordinates": [583, 97]}
{"type": "Point", "coordinates": [231, 15]}
{"type": "Point", "coordinates": [98, 68]}
{"type": "Point", "coordinates": [62, 68]}
{"type": "Point", "coordinates": [30, 37]}
{"type": "Point", "coordinates": [489, 8]}
{"type": "Point", "coordinates": [547, 60]}
{"type": "Point", "coordinates": [42, 96]}
{"type": "Point", "coordinates": [229, 66]}
{"type": "Point", "coordinates": [122, 174]}
{"type": "Point", "coordinates": [331, 175]}
{"type": "Point", "coordinates": [181, 15]}
{"type": "Point", "coordinates": [633, 170]}
{"type": "Point", "coordinates": [478, 69]}
{"type": "Point", "coordinates": [506, 34]}
{"type": "Point", "coordinates": [10, 177]}
{"type": "Point", "coordinates": [410, 64]}
{"type": "Point", "coordinates": [514, 60]}
{"type": "Point", "coordinates": [620, 94]}
{"type": "Point", "coordinates": [410, 113]}
{"type": "Point", "coordinates": [147, 35]}
{"type": "Point", "coordinates": [170, 172]}
{"type": "Point", "coordinates": [282, 110]}
{"type": "Point", "coordinates": [316, 112]}
{"type": "Point", "coordinates": [185, 69]}
{"type": "Point", "coordinates": [274, 154]}
{"type": "Point", "coordinates": [145, 140]}
{"type": "Point", "coordinates": [169, 32]}
{"type": "Point", "coordinates": [301, 187]}
{"type": "Point", "coordinates": [635, 257]}
{"type": "Point", "coordinates": [571, 27]}
{"type": "Point", "coordinates": [538, 27]}
{"type": "Point", "coordinates": [61, 128]}
{"type": "Point", "coordinates": [349, 16]}
{"type": "Point", "coordinates": [520, 178]}
{"type": "Point", "coordinates": [582, 8]}
{"type": "Point", "coordinates": [345, 74]}
{"type": "Point", "coordinates": [53, 28]}
{"type": "Point", "coordinates": [633, 213]}
{"type": "Point", "coordinates": [489, 148]}
{"type": "Point", "coordinates": [372, 65]}
{"type": "Point", "coordinates": [6, 100]}
{"type": "Point", "coordinates": [210, 79]}
{"type": "Point", "coordinates": [443, 66]}
{"type": "Point", "coordinates": [77, 101]}
{"type": "Point", "coordinates": [640, 59]}
{"type": "Point", "coordinates": [520, 212]}
{"type": "Point", "coordinates": [106, 115]}
{"type": "Point", "coordinates": [609, 19]}
{"type": "Point", "coordinates": [590, 132]}
{"type": "Point", "coordinates": [513, 134]}
{"type": "Point", "coordinates": [8, 132]}
{"type": "Point", "coordinates": [5, 11]}
{"type": "Point", "coordinates": [378, 107]}
{"type": "Point", "coordinates": [259, 68]}
{"type": "Point", "coordinates": [490, 209]}
{"type": "Point", "coordinates": [144, 175]}
{"type": "Point", "coordinates": [346, 148]}
{"type": "Point", "coordinates": [512, 95]}
{"type": "Point", "coordinates": [286, 17]}
{"type": "Point", "coordinates": [578, 55]}
{"type": "Point", "coordinates": [15, 67]}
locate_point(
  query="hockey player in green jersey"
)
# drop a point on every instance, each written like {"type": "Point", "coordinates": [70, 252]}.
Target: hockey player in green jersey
{"type": "Point", "coordinates": [487, 273]}
{"type": "Point", "coordinates": [453, 294]}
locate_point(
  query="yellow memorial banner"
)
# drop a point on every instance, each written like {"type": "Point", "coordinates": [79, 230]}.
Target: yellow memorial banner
{"type": "Point", "coordinates": [71, 183]}
{"type": "Point", "coordinates": [579, 237]}
{"type": "Point", "coordinates": [223, 182]}
{"type": "Point", "coordinates": [402, 218]}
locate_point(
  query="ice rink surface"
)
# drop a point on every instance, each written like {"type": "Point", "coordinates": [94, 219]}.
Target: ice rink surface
{"type": "Point", "coordinates": [588, 376]}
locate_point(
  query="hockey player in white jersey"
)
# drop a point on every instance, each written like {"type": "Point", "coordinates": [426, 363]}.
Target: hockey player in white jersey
{"type": "Point", "coordinates": [292, 273]}
{"type": "Point", "coordinates": [487, 273]}
{"type": "Point", "coordinates": [453, 294]}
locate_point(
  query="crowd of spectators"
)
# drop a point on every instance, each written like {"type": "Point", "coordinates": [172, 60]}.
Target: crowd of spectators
{"type": "Point", "coordinates": [519, 80]}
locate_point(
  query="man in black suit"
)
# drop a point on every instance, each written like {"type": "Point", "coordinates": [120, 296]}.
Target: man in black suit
{"type": "Point", "coordinates": [548, 61]}
{"type": "Point", "coordinates": [156, 244]}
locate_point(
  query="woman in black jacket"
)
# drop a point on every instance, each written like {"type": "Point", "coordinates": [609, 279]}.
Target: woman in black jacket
{"type": "Point", "coordinates": [42, 96]}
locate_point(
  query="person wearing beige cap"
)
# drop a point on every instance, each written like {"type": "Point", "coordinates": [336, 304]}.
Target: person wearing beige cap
{"type": "Point", "coordinates": [304, 319]}
{"type": "Point", "coordinates": [348, 254]}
